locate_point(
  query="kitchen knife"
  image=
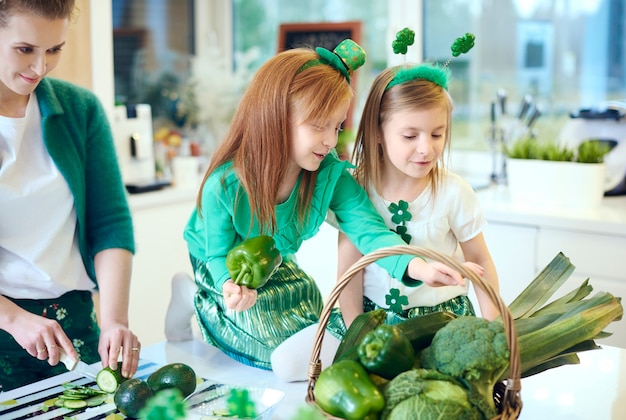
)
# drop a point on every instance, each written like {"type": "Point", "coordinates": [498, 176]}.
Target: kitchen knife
{"type": "Point", "coordinates": [526, 102]}
{"type": "Point", "coordinates": [78, 366]}
{"type": "Point", "coordinates": [502, 101]}
{"type": "Point", "coordinates": [536, 113]}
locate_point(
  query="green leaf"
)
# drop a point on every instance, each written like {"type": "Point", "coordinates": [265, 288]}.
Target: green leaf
{"type": "Point", "coordinates": [541, 289]}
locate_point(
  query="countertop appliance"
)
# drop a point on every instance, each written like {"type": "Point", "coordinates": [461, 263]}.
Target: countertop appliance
{"type": "Point", "coordinates": [606, 125]}
{"type": "Point", "coordinates": [134, 144]}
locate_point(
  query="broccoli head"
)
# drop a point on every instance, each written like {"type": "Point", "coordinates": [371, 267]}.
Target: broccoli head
{"type": "Point", "coordinates": [473, 350]}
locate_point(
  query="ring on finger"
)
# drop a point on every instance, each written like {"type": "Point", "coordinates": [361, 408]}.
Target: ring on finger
{"type": "Point", "coordinates": [41, 350]}
{"type": "Point", "coordinates": [52, 346]}
{"type": "Point", "coordinates": [135, 349]}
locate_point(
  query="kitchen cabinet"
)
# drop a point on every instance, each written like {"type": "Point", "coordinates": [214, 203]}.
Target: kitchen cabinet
{"type": "Point", "coordinates": [159, 219]}
{"type": "Point", "coordinates": [513, 250]}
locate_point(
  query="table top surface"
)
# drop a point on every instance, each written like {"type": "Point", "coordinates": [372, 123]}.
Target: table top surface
{"type": "Point", "coordinates": [594, 389]}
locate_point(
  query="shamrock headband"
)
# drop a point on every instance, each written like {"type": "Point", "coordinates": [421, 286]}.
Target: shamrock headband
{"type": "Point", "coordinates": [346, 58]}
{"type": "Point", "coordinates": [434, 73]}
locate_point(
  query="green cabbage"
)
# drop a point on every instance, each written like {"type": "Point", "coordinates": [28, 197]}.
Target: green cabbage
{"type": "Point", "coordinates": [423, 394]}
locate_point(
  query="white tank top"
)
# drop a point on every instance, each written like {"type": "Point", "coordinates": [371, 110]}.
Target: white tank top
{"type": "Point", "coordinates": [39, 255]}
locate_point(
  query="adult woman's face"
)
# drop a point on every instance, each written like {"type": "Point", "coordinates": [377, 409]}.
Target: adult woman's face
{"type": "Point", "coordinates": [30, 48]}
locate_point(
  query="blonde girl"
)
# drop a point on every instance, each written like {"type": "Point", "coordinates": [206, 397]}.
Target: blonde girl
{"type": "Point", "coordinates": [399, 153]}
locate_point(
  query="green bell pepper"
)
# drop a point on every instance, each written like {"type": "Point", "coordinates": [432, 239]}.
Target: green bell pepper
{"type": "Point", "coordinates": [344, 389]}
{"type": "Point", "coordinates": [386, 351]}
{"type": "Point", "coordinates": [252, 262]}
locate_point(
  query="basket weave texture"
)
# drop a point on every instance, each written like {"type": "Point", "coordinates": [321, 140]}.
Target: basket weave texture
{"type": "Point", "coordinates": [507, 394]}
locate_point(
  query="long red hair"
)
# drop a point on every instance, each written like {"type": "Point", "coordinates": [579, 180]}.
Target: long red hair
{"type": "Point", "coordinates": [258, 140]}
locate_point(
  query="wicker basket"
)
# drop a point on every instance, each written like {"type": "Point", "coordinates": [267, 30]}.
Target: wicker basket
{"type": "Point", "coordinates": [506, 395]}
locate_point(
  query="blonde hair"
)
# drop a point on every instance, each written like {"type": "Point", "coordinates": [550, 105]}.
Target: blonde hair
{"type": "Point", "coordinates": [258, 140]}
{"type": "Point", "coordinates": [381, 104]}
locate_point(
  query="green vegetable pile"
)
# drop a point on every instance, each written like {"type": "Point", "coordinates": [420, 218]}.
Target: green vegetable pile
{"type": "Point", "coordinates": [456, 363]}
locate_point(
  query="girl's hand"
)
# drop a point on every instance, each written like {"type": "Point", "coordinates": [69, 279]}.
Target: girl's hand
{"type": "Point", "coordinates": [115, 340]}
{"type": "Point", "coordinates": [40, 337]}
{"type": "Point", "coordinates": [479, 270]}
{"type": "Point", "coordinates": [434, 273]}
{"type": "Point", "coordinates": [238, 298]}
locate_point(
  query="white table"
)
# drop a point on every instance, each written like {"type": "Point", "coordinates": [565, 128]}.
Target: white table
{"type": "Point", "coordinates": [593, 390]}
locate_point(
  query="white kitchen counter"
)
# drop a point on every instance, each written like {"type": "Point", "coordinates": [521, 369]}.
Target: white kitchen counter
{"type": "Point", "coordinates": [594, 389]}
{"type": "Point", "coordinates": [609, 218]}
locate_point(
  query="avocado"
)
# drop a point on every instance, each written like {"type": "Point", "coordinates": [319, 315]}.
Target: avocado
{"type": "Point", "coordinates": [131, 396]}
{"type": "Point", "coordinates": [173, 375]}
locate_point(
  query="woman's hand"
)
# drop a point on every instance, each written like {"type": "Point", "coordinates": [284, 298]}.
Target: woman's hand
{"type": "Point", "coordinates": [434, 273]}
{"type": "Point", "coordinates": [41, 337]}
{"type": "Point", "coordinates": [115, 340]}
{"type": "Point", "coordinates": [238, 298]}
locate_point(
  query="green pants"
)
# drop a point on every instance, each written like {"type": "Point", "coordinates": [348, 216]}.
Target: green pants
{"type": "Point", "coordinates": [75, 312]}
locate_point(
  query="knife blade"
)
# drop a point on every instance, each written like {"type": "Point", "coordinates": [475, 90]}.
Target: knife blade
{"type": "Point", "coordinates": [78, 366]}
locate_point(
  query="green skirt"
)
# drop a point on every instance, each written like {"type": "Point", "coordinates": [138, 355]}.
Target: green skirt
{"type": "Point", "coordinates": [289, 302]}
{"type": "Point", "coordinates": [74, 311]}
{"type": "Point", "coordinates": [460, 305]}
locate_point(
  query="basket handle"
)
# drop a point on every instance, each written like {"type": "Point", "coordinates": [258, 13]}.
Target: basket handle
{"type": "Point", "coordinates": [511, 400]}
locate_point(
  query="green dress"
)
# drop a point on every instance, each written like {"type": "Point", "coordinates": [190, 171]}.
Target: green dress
{"type": "Point", "coordinates": [291, 300]}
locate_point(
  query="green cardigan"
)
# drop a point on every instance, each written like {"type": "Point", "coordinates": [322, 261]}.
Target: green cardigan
{"type": "Point", "coordinates": [78, 137]}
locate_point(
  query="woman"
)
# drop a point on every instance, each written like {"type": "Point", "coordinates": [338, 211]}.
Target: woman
{"type": "Point", "coordinates": [65, 226]}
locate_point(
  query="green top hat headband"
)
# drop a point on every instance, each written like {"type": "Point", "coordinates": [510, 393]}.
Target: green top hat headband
{"type": "Point", "coordinates": [346, 58]}
{"type": "Point", "coordinates": [432, 72]}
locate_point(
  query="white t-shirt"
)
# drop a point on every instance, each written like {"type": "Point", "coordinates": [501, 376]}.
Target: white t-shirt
{"type": "Point", "coordinates": [39, 255]}
{"type": "Point", "coordinates": [453, 216]}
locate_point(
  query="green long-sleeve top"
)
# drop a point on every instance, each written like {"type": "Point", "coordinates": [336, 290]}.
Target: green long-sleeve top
{"type": "Point", "coordinates": [223, 224]}
{"type": "Point", "coordinates": [78, 137]}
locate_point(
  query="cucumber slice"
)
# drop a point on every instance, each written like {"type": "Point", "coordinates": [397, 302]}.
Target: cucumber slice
{"type": "Point", "coordinates": [108, 380]}
{"type": "Point", "coordinates": [59, 402]}
{"type": "Point", "coordinates": [84, 392]}
{"type": "Point", "coordinates": [74, 404]}
{"type": "Point", "coordinates": [95, 401]}
{"type": "Point", "coordinates": [71, 397]}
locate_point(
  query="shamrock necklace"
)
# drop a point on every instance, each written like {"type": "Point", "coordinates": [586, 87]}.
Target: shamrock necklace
{"type": "Point", "coordinates": [400, 215]}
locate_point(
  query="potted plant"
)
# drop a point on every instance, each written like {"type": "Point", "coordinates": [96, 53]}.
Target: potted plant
{"type": "Point", "coordinates": [552, 176]}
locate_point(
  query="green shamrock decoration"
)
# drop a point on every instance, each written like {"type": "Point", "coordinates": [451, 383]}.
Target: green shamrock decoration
{"type": "Point", "coordinates": [400, 212]}
{"type": "Point", "coordinates": [402, 231]}
{"type": "Point", "coordinates": [463, 44]}
{"type": "Point", "coordinates": [240, 405]}
{"type": "Point", "coordinates": [404, 38]}
{"type": "Point", "coordinates": [395, 300]}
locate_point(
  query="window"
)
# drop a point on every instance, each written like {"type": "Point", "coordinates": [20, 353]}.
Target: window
{"type": "Point", "coordinates": [153, 41]}
{"type": "Point", "coordinates": [256, 25]}
{"type": "Point", "coordinates": [565, 54]}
